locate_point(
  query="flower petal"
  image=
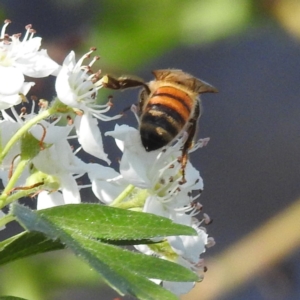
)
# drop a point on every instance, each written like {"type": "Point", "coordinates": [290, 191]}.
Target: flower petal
{"type": "Point", "coordinates": [47, 200]}
{"type": "Point", "coordinates": [89, 136]}
{"type": "Point", "coordinates": [11, 80]}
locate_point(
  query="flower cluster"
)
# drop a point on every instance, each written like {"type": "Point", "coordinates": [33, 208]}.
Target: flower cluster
{"type": "Point", "coordinates": [37, 159]}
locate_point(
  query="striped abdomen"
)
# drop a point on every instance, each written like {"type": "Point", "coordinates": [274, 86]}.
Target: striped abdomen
{"type": "Point", "coordinates": [164, 116]}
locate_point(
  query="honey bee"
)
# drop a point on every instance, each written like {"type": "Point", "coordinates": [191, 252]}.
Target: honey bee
{"type": "Point", "coordinates": [167, 106]}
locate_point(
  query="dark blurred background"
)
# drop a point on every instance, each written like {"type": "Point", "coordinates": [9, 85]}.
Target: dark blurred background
{"type": "Point", "coordinates": [250, 51]}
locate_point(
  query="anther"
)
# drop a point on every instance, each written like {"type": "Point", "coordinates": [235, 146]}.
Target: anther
{"type": "Point", "coordinates": [43, 103]}
{"type": "Point", "coordinates": [198, 206]}
{"type": "Point", "coordinates": [182, 181]}
{"type": "Point", "coordinates": [70, 120]}
{"type": "Point", "coordinates": [23, 110]}
{"type": "Point", "coordinates": [28, 27]}
{"type": "Point", "coordinates": [210, 242]}
{"type": "Point", "coordinates": [17, 35]}
{"type": "Point", "coordinates": [207, 220]}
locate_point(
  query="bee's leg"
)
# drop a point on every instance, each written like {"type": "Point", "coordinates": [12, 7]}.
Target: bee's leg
{"type": "Point", "coordinates": [122, 83]}
{"type": "Point", "coordinates": [190, 139]}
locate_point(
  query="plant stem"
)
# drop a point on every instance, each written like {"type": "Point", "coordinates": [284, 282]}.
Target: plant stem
{"type": "Point", "coordinates": [22, 131]}
{"type": "Point", "coordinates": [123, 195]}
{"type": "Point", "coordinates": [11, 183]}
{"type": "Point", "coordinates": [6, 219]}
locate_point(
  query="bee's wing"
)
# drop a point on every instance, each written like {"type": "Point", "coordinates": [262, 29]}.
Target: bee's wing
{"type": "Point", "coordinates": [177, 76]}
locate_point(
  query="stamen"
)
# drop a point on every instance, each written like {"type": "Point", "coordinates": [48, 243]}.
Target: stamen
{"type": "Point", "coordinates": [27, 27]}
{"type": "Point", "coordinates": [41, 142]}
{"type": "Point", "coordinates": [10, 172]}
{"type": "Point", "coordinates": [162, 181]}
{"type": "Point", "coordinates": [199, 144]}
{"type": "Point", "coordinates": [84, 186]}
{"type": "Point", "coordinates": [185, 209]}
{"type": "Point", "coordinates": [87, 55]}
{"type": "Point", "coordinates": [33, 101]}
{"type": "Point", "coordinates": [23, 112]}
{"type": "Point", "coordinates": [78, 149]}
{"type": "Point", "coordinates": [7, 117]}
{"type": "Point", "coordinates": [101, 117]}
{"type": "Point", "coordinates": [16, 36]}
{"type": "Point", "coordinates": [134, 110]}
{"type": "Point", "coordinates": [197, 205]}
{"type": "Point", "coordinates": [99, 106]}
{"type": "Point", "coordinates": [78, 176]}
{"type": "Point", "coordinates": [94, 60]}
{"type": "Point", "coordinates": [16, 115]}
{"type": "Point", "coordinates": [43, 104]}
{"type": "Point", "coordinates": [115, 179]}
{"type": "Point", "coordinates": [70, 121]}
{"type": "Point", "coordinates": [207, 219]}
{"type": "Point", "coordinates": [32, 32]}
{"type": "Point", "coordinates": [25, 188]}
{"type": "Point", "coordinates": [6, 22]}
{"type": "Point", "coordinates": [194, 212]}
{"type": "Point", "coordinates": [210, 242]}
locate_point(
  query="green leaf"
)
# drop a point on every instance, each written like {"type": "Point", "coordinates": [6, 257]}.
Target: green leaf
{"type": "Point", "coordinates": [109, 223]}
{"type": "Point", "coordinates": [30, 146]}
{"type": "Point", "coordinates": [26, 244]}
{"type": "Point", "coordinates": [127, 272]}
{"type": "Point", "coordinates": [119, 258]}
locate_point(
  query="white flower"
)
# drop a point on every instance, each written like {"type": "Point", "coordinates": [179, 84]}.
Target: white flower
{"type": "Point", "coordinates": [158, 171]}
{"type": "Point", "coordinates": [136, 162]}
{"type": "Point", "coordinates": [49, 199]}
{"type": "Point", "coordinates": [19, 58]}
{"type": "Point", "coordinates": [9, 100]}
{"type": "Point", "coordinates": [107, 184]}
{"type": "Point", "coordinates": [24, 57]}
{"type": "Point", "coordinates": [189, 247]}
{"type": "Point", "coordinates": [60, 162]}
{"type": "Point", "coordinates": [180, 288]}
{"type": "Point", "coordinates": [160, 174]}
{"type": "Point", "coordinates": [77, 86]}
{"type": "Point", "coordinates": [50, 133]}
